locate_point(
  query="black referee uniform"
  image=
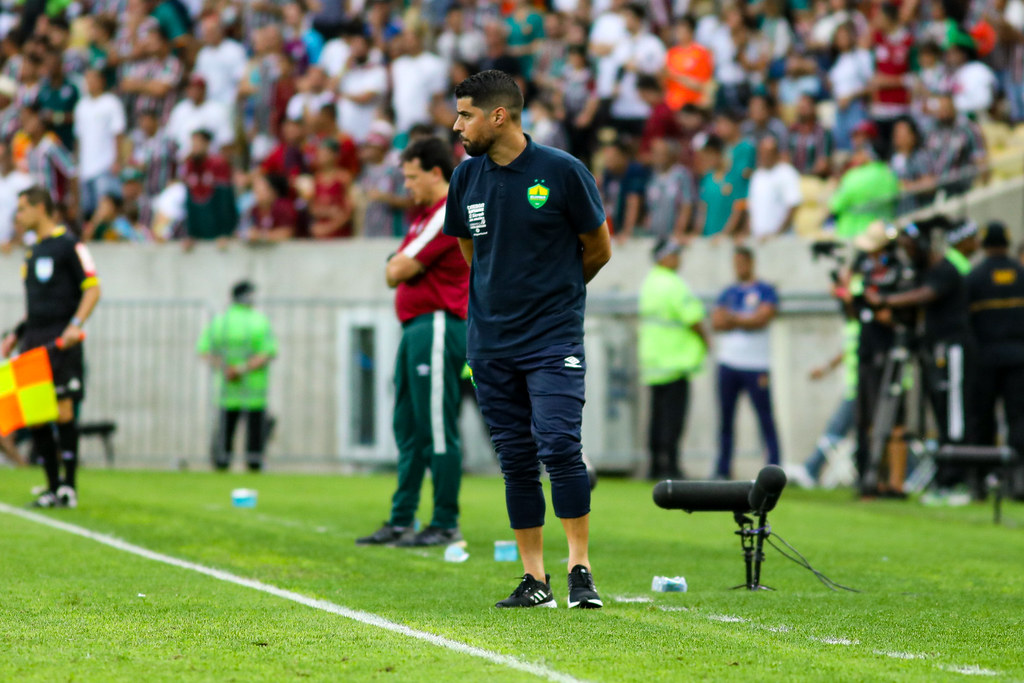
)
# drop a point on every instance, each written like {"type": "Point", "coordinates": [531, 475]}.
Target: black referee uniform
{"type": "Point", "coordinates": [57, 270]}
{"type": "Point", "coordinates": [996, 295]}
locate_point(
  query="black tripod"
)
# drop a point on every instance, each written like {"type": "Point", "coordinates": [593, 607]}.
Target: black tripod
{"type": "Point", "coordinates": [892, 394]}
{"type": "Point", "coordinates": [752, 541]}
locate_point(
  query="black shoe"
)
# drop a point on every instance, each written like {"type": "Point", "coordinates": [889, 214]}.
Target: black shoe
{"type": "Point", "coordinates": [582, 593]}
{"type": "Point", "coordinates": [386, 535]}
{"type": "Point", "coordinates": [530, 593]}
{"type": "Point", "coordinates": [432, 535]}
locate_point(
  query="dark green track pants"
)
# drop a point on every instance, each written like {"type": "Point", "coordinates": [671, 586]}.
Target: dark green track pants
{"type": "Point", "coordinates": [427, 374]}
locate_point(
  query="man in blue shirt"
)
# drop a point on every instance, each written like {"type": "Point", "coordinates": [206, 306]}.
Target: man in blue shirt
{"type": "Point", "coordinates": [741, 316]}
{"type": "Point", "coordinates": [531, 225]}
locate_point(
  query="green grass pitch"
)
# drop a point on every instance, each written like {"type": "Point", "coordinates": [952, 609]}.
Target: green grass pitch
{"type": "Point", "coordinates": [942, 589]}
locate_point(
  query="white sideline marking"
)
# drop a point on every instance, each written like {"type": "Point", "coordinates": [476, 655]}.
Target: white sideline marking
{"type": "Point", "coordinates": [837, 641]}
{"type": "Point", "coordinates": [726, 618]}
{"type": "Point", "coordinates": [900, 655]}
{"type": "Point", "coordinates": [356, 615]}
{"type": "Point", "coordinates": [626, 598]}
{"type": "Point", "coordinates": [972, 670]}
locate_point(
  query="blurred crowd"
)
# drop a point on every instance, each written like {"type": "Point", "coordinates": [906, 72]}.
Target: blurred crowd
{"type": "Point", "coordinates": [268, 120]}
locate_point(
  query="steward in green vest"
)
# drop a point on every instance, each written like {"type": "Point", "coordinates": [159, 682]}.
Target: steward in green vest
{"type": "Point", "coordinates": [672, 345]}
{"type": "Point", "coordinates": [239, 345]}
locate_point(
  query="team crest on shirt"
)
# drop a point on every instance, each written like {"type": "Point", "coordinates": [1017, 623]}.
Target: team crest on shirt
{"type": "Point", "coordinates": [44, 268]}
{"type": "Point", "coordinates": [537, 194]}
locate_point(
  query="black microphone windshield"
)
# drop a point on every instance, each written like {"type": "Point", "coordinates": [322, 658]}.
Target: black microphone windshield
{"type": "Point", "coordinates": [767, 488]}
{"type": "Point", "coordinates": [703, 496]}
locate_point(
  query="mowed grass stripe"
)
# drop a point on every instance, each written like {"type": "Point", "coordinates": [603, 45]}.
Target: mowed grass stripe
{"type": "Point", "coordinates": [938, 582]}
{"type": "Point", "coordinates": [360, 616]}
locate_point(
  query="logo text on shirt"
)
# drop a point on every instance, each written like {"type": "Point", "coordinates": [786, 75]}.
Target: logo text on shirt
{"type": "Point", "coordinates": [477, 221]}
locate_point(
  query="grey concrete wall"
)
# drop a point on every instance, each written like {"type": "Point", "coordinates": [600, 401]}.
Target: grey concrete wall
{"type": "Point", "coordinates": [144, 374]}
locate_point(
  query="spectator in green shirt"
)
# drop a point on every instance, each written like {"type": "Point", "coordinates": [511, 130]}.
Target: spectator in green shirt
{"type": "Point", "coordinates": [723, 194]}
{"type": "Point", "coordinates": [867, 192]}
{"type": "Point", "coordinates": [57, 98]}
{"type": "Point", "coordinates": [239, 345]}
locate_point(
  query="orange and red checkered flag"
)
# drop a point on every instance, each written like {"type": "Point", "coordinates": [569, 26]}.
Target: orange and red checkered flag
{"type": "Point", "coordinates": [27, 395]}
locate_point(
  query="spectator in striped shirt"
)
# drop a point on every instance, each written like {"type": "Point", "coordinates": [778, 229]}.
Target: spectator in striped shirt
{"type": "Point", "coordinates": [153, 152]}
{"type": "Point", "coordinates": [154, 81]}
{"type": "Point", "coordinates": [957, 147]}
{"type": "Point", "coordinates": [810, 144]}
{"type": "Point", "coordinates": [47, 160]}
{"type": "Point", "coordinates": [913, 166]}
{"type": "Point", "coordinates": [670, 192]}
{"type": "Point", "coordinates": [9, 114]}
{"type": "Point", "coordinates": [762, 122]}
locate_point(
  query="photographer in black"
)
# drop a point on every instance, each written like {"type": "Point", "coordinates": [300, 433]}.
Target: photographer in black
{"type": "Point", "coordinates": [995, 290]}
{"type": "Point", "coordinates": [947, 335]}
{"type": "Point", "coordinates": [877, 270]}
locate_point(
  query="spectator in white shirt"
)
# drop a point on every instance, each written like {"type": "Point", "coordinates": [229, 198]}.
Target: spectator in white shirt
{"type": "Point", "coordinates": [849, 77]}
{"type": "Point", "coordinates": [458, 43]}
{"type": "Point", "coordinates": [12, 182]}
{"type": "Point", "coordinates": [196, 112]}
{"type": "Point", "coordinates": [774, 194]}
{"type": "Point", "coordinates": [362, 88]}
{"type": "Point", "coordinates": [607, 31]}
{"type": "Point", "coordinates": [416, 78]}
{"type": "Point", "coordinates": [221, 62]}
{"type": "Point", "coordinates": [971, 82]}
{"type": "Point", "coordinates": [641, 52]}
{"type": "Point", "coordinates": [334, 57]}
{"type": "Point", "coordinates": [99, 132]}
{"type": "Point", "coordinates": [312, 96]}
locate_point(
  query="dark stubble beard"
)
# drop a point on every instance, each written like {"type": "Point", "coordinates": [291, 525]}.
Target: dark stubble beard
{"type": "Point", "coordinates": [476, 149]}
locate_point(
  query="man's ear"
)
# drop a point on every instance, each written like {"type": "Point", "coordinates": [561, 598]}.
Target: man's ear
{"type": "Point", "coordinates": [499, 115]}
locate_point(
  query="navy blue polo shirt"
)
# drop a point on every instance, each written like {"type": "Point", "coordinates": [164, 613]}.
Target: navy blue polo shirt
{"type": "Point", "coordinates": [526, 288]}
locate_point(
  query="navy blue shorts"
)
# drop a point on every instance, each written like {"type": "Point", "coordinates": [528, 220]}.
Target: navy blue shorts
{"type": "Point", "coordinates": [533, 405]}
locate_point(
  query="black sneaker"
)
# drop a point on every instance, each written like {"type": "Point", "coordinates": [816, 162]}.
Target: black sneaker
{"type": "Point", "coordinates": [386, 535]}
{"type": "Point", "coordinates": [530, 593]}
{"type": "Point", "coordinates": [582, 593]}
{"type": "Point", "coordinates": [432, 535]}
{"type": "Point", "coordinates": [47, 499]}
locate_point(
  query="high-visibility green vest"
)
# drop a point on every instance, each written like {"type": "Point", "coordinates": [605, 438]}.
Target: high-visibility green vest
{"type": "Point", "coordinates": [668, 347]}
{"type": "Point", "coordinates": [234, 337]}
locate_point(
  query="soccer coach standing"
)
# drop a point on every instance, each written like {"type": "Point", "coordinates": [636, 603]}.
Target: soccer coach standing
{"type": "Point", "coordinates": [530, 224]}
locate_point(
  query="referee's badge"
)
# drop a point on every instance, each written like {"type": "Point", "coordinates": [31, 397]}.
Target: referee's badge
{"type": "Point", "coordinates": [537, 194]}
{"type": "Point", "coordinates": [44, 268]}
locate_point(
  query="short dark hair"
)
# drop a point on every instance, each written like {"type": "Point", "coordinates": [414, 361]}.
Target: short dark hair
{"type": "Point", "coordinates": [745, 251]}
{"type": "Point", "coordinates": [688, 20]}
{"type": "Point", "coordinates": [648, 82]}
{"type": "Point", "coordinates": [713, 144]}
{"type": "Point", "coordinates": [432, 152]}
{"type": "Point", "coordinates": [492, 89]}
{"type": "Point", "coordinates": [36, 195]}
{"type": "Point", "coordinates": [637, 10]}
{"type": "Point", "coordinates": [277, 183]}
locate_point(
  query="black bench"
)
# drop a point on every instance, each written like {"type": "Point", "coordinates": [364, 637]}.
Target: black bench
{"type": "Point", "coordinates": [104, 431]}
{"type": "Point", "coordinates": [1001, 459]}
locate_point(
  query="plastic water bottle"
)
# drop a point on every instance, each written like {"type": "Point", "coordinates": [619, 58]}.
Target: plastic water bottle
{"type": "Point", "coordinates": [456, 552]}
{"type": "Point", "coordinates": [668, 584]}
{"type": "Point", "coordinates": [505, 551]}
{"type": "Point", "coordinates": [243, 498]}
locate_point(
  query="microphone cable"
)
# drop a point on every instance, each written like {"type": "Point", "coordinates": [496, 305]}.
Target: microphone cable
{"type": "Point", "coordinates": [802, 561]}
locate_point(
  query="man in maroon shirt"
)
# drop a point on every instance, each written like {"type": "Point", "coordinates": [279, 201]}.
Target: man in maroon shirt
{"type": "Point", "coordinates": [432, 282]}
{"type": "Point", "coordinates": [890, 96]}
{"type": "Point", "coordinates": [661, 123]}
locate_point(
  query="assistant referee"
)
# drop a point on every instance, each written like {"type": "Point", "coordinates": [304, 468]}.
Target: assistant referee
{"type": "Point", "coordinates": [531, 225]}
{"type": "Point", "coordinates": [61, 291]}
